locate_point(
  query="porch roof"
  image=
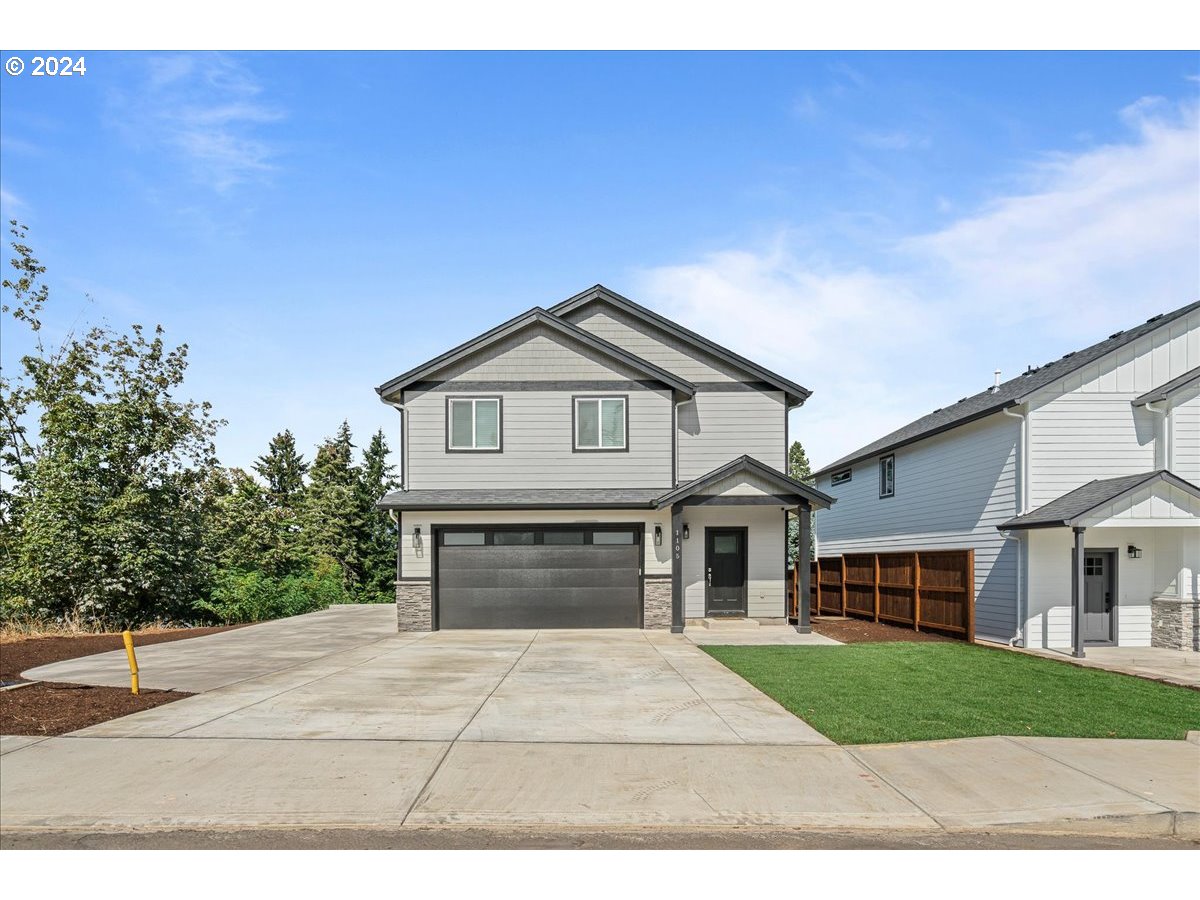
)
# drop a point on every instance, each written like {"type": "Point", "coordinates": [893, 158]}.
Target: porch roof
{"type": "Point", "coordinates": [1081, 506]}
{"type": "Point", "coordinates": [782, 489]}
{"type": "Point", "coordinates": [1172, 387]}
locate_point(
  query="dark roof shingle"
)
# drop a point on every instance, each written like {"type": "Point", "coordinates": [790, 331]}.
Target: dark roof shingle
{"type": "Point", "coordinates": [1008, 394]}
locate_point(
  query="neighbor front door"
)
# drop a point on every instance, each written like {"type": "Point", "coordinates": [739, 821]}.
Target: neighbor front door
{"type": "Point", "coordinates": [725, 571]}
{"type": "Point", "coordinates": [1098, 596]}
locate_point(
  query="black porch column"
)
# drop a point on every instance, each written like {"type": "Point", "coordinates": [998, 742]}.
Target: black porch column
{"type": "Point", "coordinates": [804, 556]}
{"type": "Point", "coordinates": [1077, 593]}
{"type": "Point", "coordinates": [677, 568]}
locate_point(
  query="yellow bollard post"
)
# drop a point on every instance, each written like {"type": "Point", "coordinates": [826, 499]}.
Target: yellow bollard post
{"type": "Point", "coordinates": [133, 672]}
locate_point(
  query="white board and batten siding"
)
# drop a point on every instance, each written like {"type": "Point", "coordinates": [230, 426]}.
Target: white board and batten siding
{"type": "Point", "coordinates": [728, 417]}
{"type": "Point", "coordinates": [1085, 427]}
{"type": "Point", "coordinates": [1185, 442]}
{"type": "Point", "coordinates": [537, 439]}
{"type": "Point", "coordinates": [951, 491]}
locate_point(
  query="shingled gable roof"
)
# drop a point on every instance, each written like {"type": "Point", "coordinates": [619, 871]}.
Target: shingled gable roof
{"type": "Point", "coordinates": [796, 394]}
{"type": "Point", "coordinates": [1174, 386]}
{"type": "Point", "coordinates": [786, 486]}
{"type": "Point", "coordinates": [1009, 394]}
{"type": "Point", "coordinates": [536, 316]}
{"type": "Point", "coordinates": [1072, 507]}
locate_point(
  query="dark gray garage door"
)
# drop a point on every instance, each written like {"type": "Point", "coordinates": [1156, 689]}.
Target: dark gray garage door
{"type": "Point", "coordinates": [539, 577]}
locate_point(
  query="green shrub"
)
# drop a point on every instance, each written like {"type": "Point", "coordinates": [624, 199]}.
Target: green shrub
{"type": "Point", "coordinates": [240, 596]}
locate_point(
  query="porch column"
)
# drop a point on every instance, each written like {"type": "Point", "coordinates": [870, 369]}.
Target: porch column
{"type": "Point", "coordinates": [1077, 583]}
{"type": "Point", "coordinates": [677, 568]}
{"type": "Point", "coordinates": [804, 557]}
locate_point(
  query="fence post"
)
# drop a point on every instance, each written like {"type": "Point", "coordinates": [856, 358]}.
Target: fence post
{"type": "Point", "coordinates": [842, 559]}
{"type": "Point", "coordinates": [970, 623]}
{"type": "Point", "coordinates": [876, 587]}
{"type": "Point", "coordinates": [917, 590]}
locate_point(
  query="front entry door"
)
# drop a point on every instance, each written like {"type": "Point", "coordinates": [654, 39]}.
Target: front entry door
{"type": "Point", "coordinates": [1099, 596]}
{"type": "Point", "coordinates": [725, 571]}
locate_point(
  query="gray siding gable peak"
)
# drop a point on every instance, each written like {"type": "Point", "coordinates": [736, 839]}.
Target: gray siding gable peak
{"type": "Point", "coordinates": [1174, 386]}
{"type": "Point", "coordinates": [1011, 393]}
{"type": "Point", "coordinates": [785, 485]}
{"type": "Point", "coordinates": [796, 394]}
{"type": "Point", "coordinates": [1074, 506]}
{"type": "Point", "coordinates": [536, 316]}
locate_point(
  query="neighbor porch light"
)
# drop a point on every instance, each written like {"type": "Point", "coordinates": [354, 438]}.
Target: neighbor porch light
{"type": "Point", "coordinates": [1134, 552]}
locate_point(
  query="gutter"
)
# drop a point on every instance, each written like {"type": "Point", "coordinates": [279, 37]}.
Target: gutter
{"type": "Point", "coordinates": [399, 407]}
{"type": "Point", "coordinates": [1168, 450]}
{"type": "Point", "coordinates": [1022, 603]}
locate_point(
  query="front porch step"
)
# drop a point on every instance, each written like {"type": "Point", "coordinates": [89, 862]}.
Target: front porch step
{"type": "Point", "coordinates": [730, 624]}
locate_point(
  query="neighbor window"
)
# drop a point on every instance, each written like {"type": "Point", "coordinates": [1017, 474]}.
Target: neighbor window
{"type": "Point", "coordinates": [473, 423]}
{"type": "Point", "coordinates": [887, 476]}
{"type": "Point", "coordinates": [841, 477]}
{"type": "Point", "coordinates": [600, 423]}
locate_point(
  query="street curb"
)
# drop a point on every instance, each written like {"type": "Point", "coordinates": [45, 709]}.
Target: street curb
{"type": "Point", "coordinates": [1193, 737]}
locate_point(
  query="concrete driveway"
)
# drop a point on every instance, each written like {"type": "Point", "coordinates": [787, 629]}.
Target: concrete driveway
{"type": "Point", "coordinates": [316, 721]}
{"type": "Point", "coordinates": [273, 681]}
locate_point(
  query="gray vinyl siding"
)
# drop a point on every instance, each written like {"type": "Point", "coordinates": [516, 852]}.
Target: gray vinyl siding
{"type": "Point", "coordinates": [952, 491]}
{"type": "Point", "coordinates": [538, 444]}
{"type": "Point", "coordinates": [1185, 421]}
{"type": "Point", "coordinates": [654, 345]}
{"type": "Point", "coordinates": [536, 354]}
{"type": "Point", "coordinates": [719, 426]}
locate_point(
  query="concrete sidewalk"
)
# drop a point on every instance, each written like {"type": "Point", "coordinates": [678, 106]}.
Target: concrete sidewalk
{"type": "Point", "coordinates": [1023, 784]}
{"type": "Point", "coordinates": [1180, 667]}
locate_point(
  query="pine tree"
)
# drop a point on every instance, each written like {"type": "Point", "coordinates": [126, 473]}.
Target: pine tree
{"type": "Point", "coordinates": [332, 517]}
{"type": "Point", "coordinates": [378, 539]}
{"type": "Point", "coordinates": [799, 469]}
{"type": "Point", "coordinates": [283, 469]}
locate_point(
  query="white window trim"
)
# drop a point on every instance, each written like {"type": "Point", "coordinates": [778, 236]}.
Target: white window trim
{"type": "Point", "coordinates": [457, 448]}
{"type": "Point", "coordinates": [883, 460]}
{"type": "Point", "coordinates": [599, 447]}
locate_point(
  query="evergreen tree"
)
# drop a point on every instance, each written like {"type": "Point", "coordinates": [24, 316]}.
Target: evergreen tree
{"type": "Point", "coordinates": [332, 517]}
{"type": "Point", "coordinates": [378, 542]}
{"type": "Point", "coordinates": [799, 469]}
{"type": "Point", "coordinates": [283, 469]}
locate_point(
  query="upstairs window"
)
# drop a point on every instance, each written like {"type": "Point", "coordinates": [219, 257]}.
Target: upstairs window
{"type": "Point", "coordinates": [841, 477]}
{"type": "Point", "coordinates": [600, 423]}
{"type": "Point", "coordinates": [473, 423]}
{"type": "Point", "coordinates": [887, 476]}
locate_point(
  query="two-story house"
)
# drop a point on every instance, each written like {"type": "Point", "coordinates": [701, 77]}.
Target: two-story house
{"type": "Point", "coordinates": [593, 465]}
{"type": "Point", "coordinates": [1075, 483]}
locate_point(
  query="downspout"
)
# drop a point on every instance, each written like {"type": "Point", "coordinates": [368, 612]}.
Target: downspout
{"type": "Point", "coordinates": [399, 407]}
{"type": "Point", "coordinates": [1023, 501]}
{"type": "Point", "coordinates": [1167, 449]}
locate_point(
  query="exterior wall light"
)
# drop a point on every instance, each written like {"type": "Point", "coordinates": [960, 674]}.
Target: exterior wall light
{"type": "Point", "coordinates": [417, 537]}
{"type": "Point", "coordinates": [686, 533]}
{"type": "Point", "coordinates": [657, 535]}
{"type": "Point", "coordinates": [1134, 552]}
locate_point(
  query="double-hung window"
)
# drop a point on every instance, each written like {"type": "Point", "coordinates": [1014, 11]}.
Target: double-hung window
{"type": "Point", "coordinates": [473, 423]}
{"type": "Point", "coordinates": [600, 423]}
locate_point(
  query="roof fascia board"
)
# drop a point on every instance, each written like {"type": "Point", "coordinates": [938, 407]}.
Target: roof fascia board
{"type": "Point", "coordinates": [537, 315]}
{"type": "Point", "coordinates": [599, 292]}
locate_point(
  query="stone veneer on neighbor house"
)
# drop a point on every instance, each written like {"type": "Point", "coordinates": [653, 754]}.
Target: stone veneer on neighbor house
{"type": "Point", "coordinates": [414, 606]}
{"type": "Point", "coordinates": [1175, 623]}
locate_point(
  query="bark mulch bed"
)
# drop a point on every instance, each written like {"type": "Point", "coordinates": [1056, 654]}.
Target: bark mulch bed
{"type": "Point", "coordinates": [864, 631]}
{"type": "Point", "coordinates": [49, 708]}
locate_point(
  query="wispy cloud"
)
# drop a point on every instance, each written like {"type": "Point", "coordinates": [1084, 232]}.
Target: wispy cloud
{"type": "Point", "coordinates": [209, 111]}
{"type": "Point", "coordinates": [1087, 238]}
{"type": "Point", "coordinates": [805, 106]}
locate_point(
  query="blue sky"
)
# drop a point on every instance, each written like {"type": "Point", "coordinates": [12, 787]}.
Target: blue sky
{"type": "Point", "coordinates": [884, 228]}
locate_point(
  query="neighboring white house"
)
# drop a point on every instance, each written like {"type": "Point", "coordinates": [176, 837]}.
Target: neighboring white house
{"type": "Point", "coordinates": [1098, 450]}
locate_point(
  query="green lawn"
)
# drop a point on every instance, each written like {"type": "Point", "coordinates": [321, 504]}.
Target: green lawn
{"type": "Point", "coordinates": [876, 693]}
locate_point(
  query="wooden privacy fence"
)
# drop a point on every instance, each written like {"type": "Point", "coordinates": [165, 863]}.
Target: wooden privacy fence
{"type": "Point", "coordinates": [932, 589]}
